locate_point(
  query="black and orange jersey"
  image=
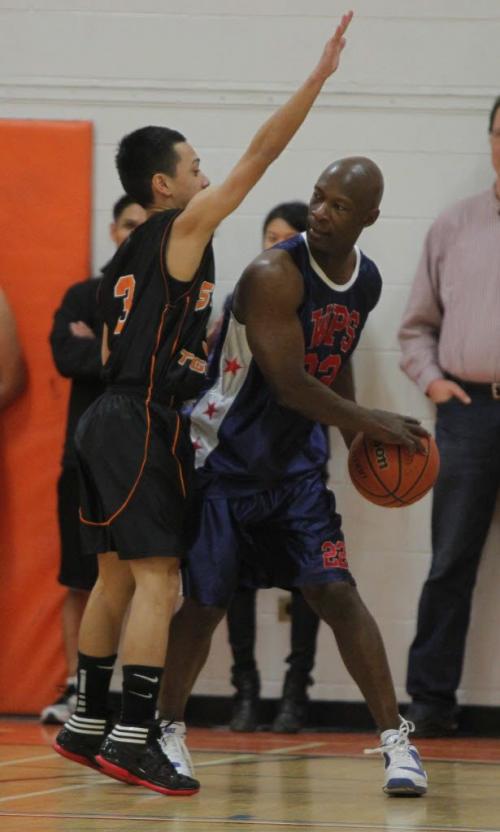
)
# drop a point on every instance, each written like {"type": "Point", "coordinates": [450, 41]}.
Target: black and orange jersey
{"type": "Point", "coordinates": [156, 324]}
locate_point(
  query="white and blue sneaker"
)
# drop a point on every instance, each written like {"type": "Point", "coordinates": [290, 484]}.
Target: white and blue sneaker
{"type": "Point", "coordinates": [404, 773]}
{"type": "Point", "coordinates": [172, 742]}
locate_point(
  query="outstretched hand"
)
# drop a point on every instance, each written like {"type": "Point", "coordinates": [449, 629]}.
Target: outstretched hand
{"type": "Point", "coordinates": [330, 58]}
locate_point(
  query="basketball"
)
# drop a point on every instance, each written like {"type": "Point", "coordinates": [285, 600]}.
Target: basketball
{"type": "Point", "coordinates": [389, 475]}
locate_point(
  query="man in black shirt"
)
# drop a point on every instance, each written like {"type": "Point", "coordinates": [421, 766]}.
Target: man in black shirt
{"type": "Point", "coordinates": [134, 450]}
{"type": "Point", "coordinates": [76, 347]}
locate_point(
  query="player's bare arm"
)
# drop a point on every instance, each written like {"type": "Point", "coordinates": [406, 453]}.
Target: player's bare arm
{"type": "Point", "coordinates": [267, 300]}
{"type": "Point", "coordinates": [12, 369]}
{"type": "Point", "coordinates": [210, 206]}
{"type": "Point", "coordinates": [344, 386]}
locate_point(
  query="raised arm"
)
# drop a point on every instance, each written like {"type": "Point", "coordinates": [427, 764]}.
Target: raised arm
{"type": "Point", "coordinates": [12, 368]}
{"type": "Point", "coordinates": [266, 301]}
{"type": "Point", "coordinates": [208, 208]}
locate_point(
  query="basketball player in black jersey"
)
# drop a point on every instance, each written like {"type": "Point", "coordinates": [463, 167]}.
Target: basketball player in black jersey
{"type": "Point", "coordinates": [134, 450]}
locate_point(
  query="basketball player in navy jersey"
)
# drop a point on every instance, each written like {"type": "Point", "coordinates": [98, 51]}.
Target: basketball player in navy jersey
{"type": "Point", "coordinates": [297, 314]}
{"type": "Point", "coordinates": [133, 446]}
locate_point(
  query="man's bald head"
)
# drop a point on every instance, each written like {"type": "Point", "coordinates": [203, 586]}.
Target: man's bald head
{"type": "Point", "coordinates": [361, 179]}
{"type": "Point", "coordinates": [345, 200]}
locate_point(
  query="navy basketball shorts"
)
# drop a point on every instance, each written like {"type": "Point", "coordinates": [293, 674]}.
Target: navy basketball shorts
{"type": "Point", "coordinates": [75, 571]}
{"type": "Point", "coordinates": [288, 536]}
{"type": "Point", "coordinates": [136, 470]}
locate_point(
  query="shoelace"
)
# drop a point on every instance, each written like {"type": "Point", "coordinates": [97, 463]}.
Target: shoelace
{"type": "Point", "coordinates": [400, 744]}
{"type": "Point", "coordinates": [167, 736]}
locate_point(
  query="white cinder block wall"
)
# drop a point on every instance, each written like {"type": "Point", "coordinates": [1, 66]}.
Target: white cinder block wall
{"type": "Point", "coordinates": [416, 83]}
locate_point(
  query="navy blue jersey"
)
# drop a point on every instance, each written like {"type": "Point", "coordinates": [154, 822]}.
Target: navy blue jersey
{"type": "Point", "coordinates": [156, 324]}
{"type": "Point", "coordinates": [244, 440]}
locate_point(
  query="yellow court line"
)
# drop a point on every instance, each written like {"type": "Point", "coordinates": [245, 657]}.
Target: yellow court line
{"type": "Point", "coordinates": [287, 824]}
{"type": "Point", "coordinates": [104, 780]}
{"type": "Point", "coordinates": [27, 759]}
{"type": "Point", "coordinates": [252, 755]}
{"type": "Point", "coordinates": [292, 748]}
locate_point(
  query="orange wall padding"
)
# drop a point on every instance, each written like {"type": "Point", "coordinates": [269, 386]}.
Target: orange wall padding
{"type": "Point", "coordinates": [45, 207]}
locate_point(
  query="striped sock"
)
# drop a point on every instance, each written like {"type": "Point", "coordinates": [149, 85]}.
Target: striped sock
{"type": "Point", "coordinates": [94, 677]}
{"type": "Point", "coordinates": [85, 725]}
{"type": "Point", "coordinates": [136, 734]}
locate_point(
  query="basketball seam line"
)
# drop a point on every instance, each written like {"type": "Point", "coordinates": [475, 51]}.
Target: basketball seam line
{"type": "Point", "coordinates": [390, 492]}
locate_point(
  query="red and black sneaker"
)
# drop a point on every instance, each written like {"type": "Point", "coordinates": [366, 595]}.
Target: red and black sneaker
{"type": "Point", "coordinates": [80, 740]}
{"type": "Point", "coordinates": [142, 764]}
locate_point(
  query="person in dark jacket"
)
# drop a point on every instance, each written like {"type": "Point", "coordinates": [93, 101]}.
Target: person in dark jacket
{"type": "Point", "coordinates": [283, 222]}
{"type": "Point", "coordinates": [75, 340]}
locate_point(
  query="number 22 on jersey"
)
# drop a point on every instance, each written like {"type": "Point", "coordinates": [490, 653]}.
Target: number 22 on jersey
{"type": "Point", "coordinates": [124, 288]}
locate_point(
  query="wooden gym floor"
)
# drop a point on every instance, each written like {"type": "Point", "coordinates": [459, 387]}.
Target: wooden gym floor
{"type": "Point", "coordinates": [263, 781]}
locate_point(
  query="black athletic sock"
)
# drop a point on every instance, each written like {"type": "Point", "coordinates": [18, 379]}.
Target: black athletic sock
{"type": "Point", "coordinates": [94, 677]}
{"type": "Point", "coordinates": [141, 685]}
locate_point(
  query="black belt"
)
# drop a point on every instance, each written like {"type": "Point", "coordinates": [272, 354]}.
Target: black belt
{"type": "Point", "coordinates": [483, 388]}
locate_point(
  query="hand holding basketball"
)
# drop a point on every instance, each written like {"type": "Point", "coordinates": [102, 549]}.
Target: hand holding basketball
{"type": "Point", "coordinates": [390, 475]}
{"type": "Point", "coordinates": [393, 428]}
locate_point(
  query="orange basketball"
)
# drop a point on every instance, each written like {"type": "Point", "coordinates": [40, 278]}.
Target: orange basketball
{"type": "Point", "coordinates": [388, 475]}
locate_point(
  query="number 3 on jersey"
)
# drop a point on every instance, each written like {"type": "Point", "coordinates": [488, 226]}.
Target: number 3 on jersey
{"type": "Point", "coordinates": [124, 288]}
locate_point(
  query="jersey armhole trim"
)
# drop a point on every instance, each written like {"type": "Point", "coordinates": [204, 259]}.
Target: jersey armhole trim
{"type": "Point", "coordinates": [163, 264]}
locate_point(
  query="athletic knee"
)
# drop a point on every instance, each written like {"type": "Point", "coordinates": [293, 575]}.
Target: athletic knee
{"type": "Point", "coordinates": [157, 578]}
{"type": "Point", "coordinates": [203, 618]}
{"type": "Point", "coordinates": [114, 591]}
{"type": "Point", "coordinates": [339, 601]}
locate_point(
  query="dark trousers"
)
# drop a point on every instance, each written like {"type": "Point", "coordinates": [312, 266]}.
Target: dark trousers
{"type": "Point", "coordinates": [77, 571]}
{"type": "Point", "coordinates": [468, 437]}
{"type": "Point", "coordinates": [241, 626]}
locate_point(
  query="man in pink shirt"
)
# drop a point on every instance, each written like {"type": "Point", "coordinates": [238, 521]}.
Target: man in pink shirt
{"type": "Point", "coordinates": [450, 342]}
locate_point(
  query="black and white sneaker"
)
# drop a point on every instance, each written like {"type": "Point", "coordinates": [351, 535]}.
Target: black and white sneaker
{"type": "Point", "coordinates": [125, 756]}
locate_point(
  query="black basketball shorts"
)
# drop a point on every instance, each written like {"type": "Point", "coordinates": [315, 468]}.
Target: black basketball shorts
{"type": "Point", "coordinates": [135, 468]}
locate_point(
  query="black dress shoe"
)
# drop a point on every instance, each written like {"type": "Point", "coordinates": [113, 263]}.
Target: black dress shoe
{"type": "Point", "coordinates": [292, 709]}
{"type": "Point", "coordinates": [245, 712]}
{"type": "Point", "coordinates": [430, 721]}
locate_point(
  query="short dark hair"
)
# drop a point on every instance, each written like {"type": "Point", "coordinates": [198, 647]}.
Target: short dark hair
{"type": "Point", "coordinates": [493, 112]}
{"type": "Point", "coordinates": [143, 153]}
{"type": "Point", "coordinates": [294, 213]}
{"type": "Point", "coordinates": [121, 204]}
